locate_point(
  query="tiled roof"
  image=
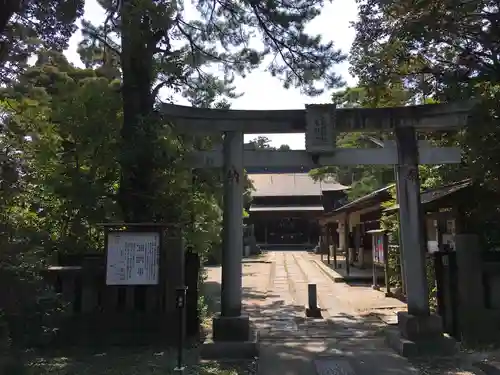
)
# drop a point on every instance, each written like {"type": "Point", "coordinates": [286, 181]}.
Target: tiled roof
{"type": "Point", "coordinates": [290, 184]}
{"type": "Point", "coordinates": [380, 194]}
{"type": "Point", "coordinates": [276, 170]}
{"type": "Point", "coordinates": [432, 195]}
{"type": "Point", "coordinates": [254, 208]}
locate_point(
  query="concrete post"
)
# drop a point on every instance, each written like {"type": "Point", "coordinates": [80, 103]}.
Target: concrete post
{"type": "Point", "coordinates": [346, 243]}
{"type": "Point", "coordinates": [336, 245]}
{"type": "Point", "coordinates": [357, 246]}
{"type": "Point", "coordinates": [232, 238]}
{"type": "Point", "coordinates": [412, 234]}
{"type": "Point", "coordinates": [374, 265]}
{"type": "Point", "coordinates": [328, 242]}
{"type": "Point", "coordinates": [231, 325]}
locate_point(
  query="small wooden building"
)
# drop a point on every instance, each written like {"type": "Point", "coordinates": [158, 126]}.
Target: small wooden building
{"type": "Point", "coordinates": [440, 208]}
{"type": "Point", "coordinates": [356, 217]}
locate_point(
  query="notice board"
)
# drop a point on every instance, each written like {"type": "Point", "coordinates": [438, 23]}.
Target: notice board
{"type": "Point", "coordinates": [379, 247]}
{"type": "Point", "coordinates": [132, 258]}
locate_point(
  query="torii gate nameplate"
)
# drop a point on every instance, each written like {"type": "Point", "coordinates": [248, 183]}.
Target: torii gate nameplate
{"type": "Point", "coordinates": [320, 124]}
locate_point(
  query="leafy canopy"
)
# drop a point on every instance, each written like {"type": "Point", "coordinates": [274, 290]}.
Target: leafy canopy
{"type": "Point", "coordinates": [187, 40]}
{"type": "Point", "coordinates": [26, 27]}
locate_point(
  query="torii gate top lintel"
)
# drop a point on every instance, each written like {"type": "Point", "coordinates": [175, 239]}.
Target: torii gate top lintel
{"type": "Point", "coordinates": [445, 116]}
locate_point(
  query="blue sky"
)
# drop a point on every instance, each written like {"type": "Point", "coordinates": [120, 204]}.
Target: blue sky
{"type": "Point", "coordinates": [261, 91]}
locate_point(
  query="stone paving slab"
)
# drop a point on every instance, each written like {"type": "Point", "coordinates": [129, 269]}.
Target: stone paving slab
{"type": "Point", "coordinates": [275, 291]}
{"type": "Point", "coordinates": [361, 299]}
{"type": "Point", "coordinates": [355, 273]}
{"type": "Point", "coordinates": [488, 368]}
{"type": "Point", "coordinates": [333, 367]}
{"type": "Point", "coordinates": [293, 348]}
{"type": "Point", "coordinates": [363, 356]}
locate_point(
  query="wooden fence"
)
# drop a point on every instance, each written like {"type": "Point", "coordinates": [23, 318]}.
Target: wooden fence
{"type": "Point", "coordinates": [119, 315]}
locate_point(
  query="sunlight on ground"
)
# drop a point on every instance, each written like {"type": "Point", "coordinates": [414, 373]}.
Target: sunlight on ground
{"type": "Point", "coordinates": [124, 362]}
{"type": "Point", "coordinates": [128, 361]}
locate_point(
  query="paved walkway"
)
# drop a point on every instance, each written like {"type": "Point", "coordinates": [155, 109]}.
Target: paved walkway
{"type": "Point", "coordinates": [343, 342]}
{"type": "Point", "coordinates": [347, 341]}
{"type": "Point", "coordinates": [355, 273]}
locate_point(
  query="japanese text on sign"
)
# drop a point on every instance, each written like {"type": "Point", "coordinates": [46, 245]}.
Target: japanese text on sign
{"type": "Point", "coordinates": [320, 129]}
{"type": "Point", "coordinates": [132, 258]}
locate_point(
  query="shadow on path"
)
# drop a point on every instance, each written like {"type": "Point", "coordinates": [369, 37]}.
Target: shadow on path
{"type": "Point", "coordinates": [292, 344]}
{"type": "Point", "coordinates": [346, 344]}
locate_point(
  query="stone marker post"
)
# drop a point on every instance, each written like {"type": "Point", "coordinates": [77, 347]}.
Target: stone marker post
{"type": "Point", "coordinates": [231, 325]}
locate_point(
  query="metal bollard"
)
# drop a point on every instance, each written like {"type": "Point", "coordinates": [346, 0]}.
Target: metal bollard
{"type": "Point", "coordinates": [313, 311]}
{"type": "Point", "coordinates": [180, 302]}
{"type": "Point", "coordinates": [312, 296]}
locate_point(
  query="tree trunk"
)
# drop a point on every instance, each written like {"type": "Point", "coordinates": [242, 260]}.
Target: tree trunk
{"type": "Point", "coordinates": [7, 10]}
{"type": "Point", "coordinates": [138, 133]}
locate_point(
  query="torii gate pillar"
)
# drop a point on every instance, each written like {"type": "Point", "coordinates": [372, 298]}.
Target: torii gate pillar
{"type": "Point", "coordinates": [412, 222]}
{"type": "Point", "coordinates": [417, 326]}
{"type": "Point", "coordinates": [231, 325]}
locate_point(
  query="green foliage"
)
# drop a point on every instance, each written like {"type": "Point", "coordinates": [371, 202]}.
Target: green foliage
{"type": "Point", "coordinates": [219, 34]}
{"type": "Point", "coordinates": [264, 143]}
{"type": "Point", "coordinates": [61, 176]}
{"type": "Point", "coordinates": [261, 143]}
{"type": "Point", "coordinates": [177, 53]}
{"type": "Point", "coordinates": [439, 52]}
{"type": "Point", "coordinates": [63, 124]}
{"type": "Point", "coordinates": [27, 27]}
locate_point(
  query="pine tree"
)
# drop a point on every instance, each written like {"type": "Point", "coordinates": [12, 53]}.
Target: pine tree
{"type": "Point", "coordinates": [160, 46]}
{"type": "Point", "coordinates": [26, 27]}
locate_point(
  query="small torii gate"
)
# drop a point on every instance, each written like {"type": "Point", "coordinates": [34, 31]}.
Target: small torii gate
{"type": "Point", "coordinates": [321, 123]}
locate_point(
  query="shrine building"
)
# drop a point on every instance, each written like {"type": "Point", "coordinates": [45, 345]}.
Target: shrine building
{"type": "Point", "coordinates": [286, 207]}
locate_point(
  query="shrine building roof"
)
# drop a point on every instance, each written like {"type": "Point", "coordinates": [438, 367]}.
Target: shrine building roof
{"type": "Point", "coordinates": [291, 184]}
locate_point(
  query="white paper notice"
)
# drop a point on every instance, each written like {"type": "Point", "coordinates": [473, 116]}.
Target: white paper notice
{"type": "Point", "coordinates": [133, 258]}
{"type": "Point", "coordinates": [432, 246]}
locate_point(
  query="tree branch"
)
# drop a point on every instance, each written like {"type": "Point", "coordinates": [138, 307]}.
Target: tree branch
{"type": "Point", "coordinates": [103, 40]}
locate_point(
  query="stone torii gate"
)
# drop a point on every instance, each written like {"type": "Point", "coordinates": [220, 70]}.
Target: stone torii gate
{"type": "Point", "coordinates": [321, 123]}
